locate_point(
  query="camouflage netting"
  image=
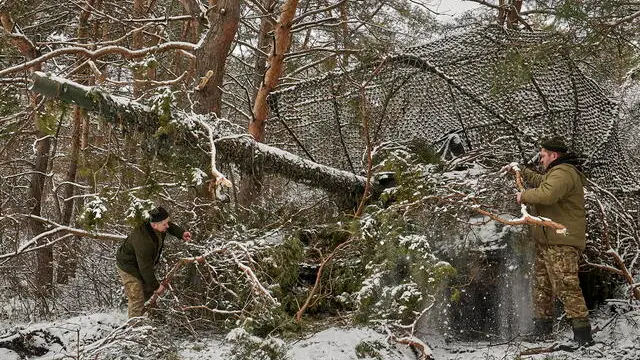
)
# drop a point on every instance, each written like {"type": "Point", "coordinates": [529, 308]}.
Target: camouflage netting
{"type": "Point", "coordinates": [481, 85]}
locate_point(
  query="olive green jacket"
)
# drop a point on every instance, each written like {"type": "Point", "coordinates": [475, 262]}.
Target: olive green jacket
{"type": "Point", "coordinates": [141, 250]}
{"type": "Point", "coordinates": [559, 196]}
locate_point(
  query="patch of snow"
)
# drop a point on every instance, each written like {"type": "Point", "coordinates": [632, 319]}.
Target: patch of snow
{"type": "Point", "coordinates": [617, 340]}
{"type": "Point", "coordinates": [198, 176]}
{"type": "Point", "coordinates": [6, 354]}
{"type": "Point", "coordinates": [340, 344]}
{"type": "Point", "coordinates": [57, 37]}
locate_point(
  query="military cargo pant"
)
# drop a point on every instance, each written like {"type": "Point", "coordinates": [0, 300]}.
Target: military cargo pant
{"type": "Point", "coordinates": [135, 293]}
{"type": "Point", "coordinates": [556, 275]}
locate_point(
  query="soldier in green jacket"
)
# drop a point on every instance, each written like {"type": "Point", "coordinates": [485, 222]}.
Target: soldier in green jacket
{"type": "Point", "coordinates": [558, 194]}
{"type": "Point", "coordinates": [140, 252]}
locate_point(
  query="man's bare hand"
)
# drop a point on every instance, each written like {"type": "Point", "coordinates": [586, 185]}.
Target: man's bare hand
{"type": "Point", "coordinates": [186, 236]}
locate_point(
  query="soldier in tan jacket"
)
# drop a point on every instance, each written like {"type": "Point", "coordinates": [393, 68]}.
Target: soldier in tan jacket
{"type": "Point", "coordinates": [558, 194]}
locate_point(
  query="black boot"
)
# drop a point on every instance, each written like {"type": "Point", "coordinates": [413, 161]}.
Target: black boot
{"type": "Point", "coordinates": [582, 331]}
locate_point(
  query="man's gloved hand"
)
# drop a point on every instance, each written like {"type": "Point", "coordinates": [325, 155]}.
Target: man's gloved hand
{"type": "Point", "coordinates": [148, 291]}
{"type": "Point", "coordinates": [510, 168]}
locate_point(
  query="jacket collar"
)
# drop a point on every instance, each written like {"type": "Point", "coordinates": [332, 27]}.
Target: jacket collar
{"type": "Point", "coordinates": [570, 159]}
{"type": "Point", "coordinates": [151, 233]}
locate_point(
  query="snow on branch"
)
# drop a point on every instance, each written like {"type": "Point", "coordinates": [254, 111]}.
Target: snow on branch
{"type": "Point", "coordinates": [525, 219]}
{"type": "Point", "coordinates": [622, 267]}
{"type": "Point", "coordinates": [239, 148]}
{"type": "Point", "coordinates": [410, 339]}
{"type": "Point", "coordinates": [255, 283]}
{"type": "Point", "coordinates": [96, 54]}
{"type": "Point", "coordinates": [423, 349]}
{"type": "Point", "coordinates": [218, 177]}
{"type": "Point", "coordinates": [32, 244]}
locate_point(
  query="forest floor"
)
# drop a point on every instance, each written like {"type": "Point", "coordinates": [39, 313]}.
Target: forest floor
{"type": "Point", "coordinates": [105, 335]}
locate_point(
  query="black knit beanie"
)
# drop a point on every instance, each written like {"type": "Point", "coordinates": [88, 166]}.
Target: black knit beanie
{"type": "Point", "coordinates": [158, 214]}
{"type": "Point", "coordinates": [555, 144]}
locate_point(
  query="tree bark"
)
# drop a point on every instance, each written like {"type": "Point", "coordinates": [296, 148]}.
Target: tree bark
{"type": "Point", "coordinates": [276, 64]}
{"type": "Point", "coordinates": [241, 150]}
{"type": "Point", "coordinates": [211, 56]}
{"type": "Point", "coordinates": [140, 9]}
{"type": "Point", "coordinates": [67, 258]}
{"type": "Point", "coordinates": [250, 184]}
{"type": "Point", "coordinates": [344, 29]}
{"type": "Point", "coordinates": [44, 268]}
{"type": "Point", "coordinates": [44, 271]}
{"type": "Point", "coordinates": [260, 65]}
{"type": "Point", "coordinates": [190, 33]}
{"type": "Point", "coordinates": [190, 27]}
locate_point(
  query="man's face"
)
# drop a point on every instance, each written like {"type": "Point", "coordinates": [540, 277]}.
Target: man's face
{"type": "Point", "coordinates": [547, 157]}
{"type": "Point", "coordinates": [160, 226]}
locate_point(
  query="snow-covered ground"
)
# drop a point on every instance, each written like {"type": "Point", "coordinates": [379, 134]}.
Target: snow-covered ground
{"type": "Point", "coordinates": [108, 336]}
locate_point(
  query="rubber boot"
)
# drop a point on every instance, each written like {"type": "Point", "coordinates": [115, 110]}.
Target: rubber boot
{"type": "Point", "coordinates": [582, 331]}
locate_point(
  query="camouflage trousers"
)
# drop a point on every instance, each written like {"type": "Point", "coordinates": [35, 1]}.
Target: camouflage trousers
{"type": "Point", "coordinates": [135, 293]}
{"type": "Point", "coordinates": [556, 276]}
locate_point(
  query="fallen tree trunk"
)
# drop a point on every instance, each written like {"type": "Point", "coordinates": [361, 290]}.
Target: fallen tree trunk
{"type": "Point", "coordinates": [248, 154]}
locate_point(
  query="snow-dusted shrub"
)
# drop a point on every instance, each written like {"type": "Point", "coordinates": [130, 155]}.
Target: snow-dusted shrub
{"type": "Point", "coordinates": [281, 264]}
{"type": "Point", "coordinates": [400, 277]}
{"type": "Point", "coordinates": [93, 213]}
{"type": "Point", "coordinates": [341, 276]}
{"type": "Point", "coordinates": [250, 281]}
{"type": "Point", "coordinates": [251, 347]}
{"type": "Point", "coordinates": [401, 274]}
{"type": "Point", "coordinates": [369, 349]}
{"type": "Point", "coordinates": [138, 340]}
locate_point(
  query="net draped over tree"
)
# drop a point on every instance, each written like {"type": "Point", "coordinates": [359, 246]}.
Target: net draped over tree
{"type": "Point", "coordinates": [482, 85]}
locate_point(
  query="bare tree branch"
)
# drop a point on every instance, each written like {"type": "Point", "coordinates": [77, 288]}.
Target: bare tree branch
{"type": "Point", "coordinates": [107, 50]}
{"type": "Point", "coordinates": [317, 11]}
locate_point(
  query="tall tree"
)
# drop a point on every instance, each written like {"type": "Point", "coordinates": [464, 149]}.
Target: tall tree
{"type": "Point", "coordinates": [281, 42]}
{"type": "Point", "coordinates": [44, 269]}
{"type": "Point", "coordinates": [67, 261]}
{"type": "Point", "coordinates": [223, 16]}
{"type": "Point", "coordinates": [264, 41]}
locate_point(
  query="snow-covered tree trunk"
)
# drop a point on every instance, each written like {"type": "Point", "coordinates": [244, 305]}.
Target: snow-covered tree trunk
{"type": "Point", "coordinates": [241, 149]}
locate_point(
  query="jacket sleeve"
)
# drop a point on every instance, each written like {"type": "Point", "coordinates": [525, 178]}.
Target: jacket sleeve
{"type": "Point", "coordinates": [145, 259]}
{"type": "Point", "coordinates": [531, 177]}
{"type": "Point", "coordinates": [175, 230]}
{"type": "Point", "coordinates": [554, 187]}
